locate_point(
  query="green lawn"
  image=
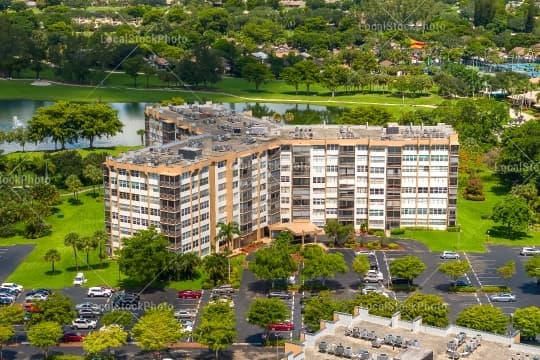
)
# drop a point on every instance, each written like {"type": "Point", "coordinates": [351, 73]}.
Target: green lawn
{"type": "Point", "coordinates": [119, 88]}
{"type": "Point", "coordinates": [83, 219]}
{"type": "Point", "coordinates": [473, 236]}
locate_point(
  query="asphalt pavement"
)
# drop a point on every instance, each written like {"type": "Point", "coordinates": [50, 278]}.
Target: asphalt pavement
{"type": "Point", "coordinates": [11, 257]}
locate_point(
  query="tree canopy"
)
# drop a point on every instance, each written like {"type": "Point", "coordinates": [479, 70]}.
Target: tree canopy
{"type": "Point", "coordinates": [483, 317]}
{"type": "Point", "coordinates": [408, 267]}
{"type": "Point", "coordinates": [265, 311]}
{"type": "Point", "coordinates": [157, 329]}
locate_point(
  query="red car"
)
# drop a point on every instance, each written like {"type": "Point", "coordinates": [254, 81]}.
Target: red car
{"type": "Point", "coordinates": [189, 294]}
{"type": "Point", "coordinates": [73, 336]}
{"type": "Point", "coordinates": [282, 326]}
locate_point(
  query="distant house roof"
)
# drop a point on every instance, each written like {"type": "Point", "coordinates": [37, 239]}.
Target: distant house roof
{"type": "Point", "coordinates": [518, 51]}
{"type": "Point", "coordinates": [260, 55]}
{"type": "Point", "coordinates": [386, 63]}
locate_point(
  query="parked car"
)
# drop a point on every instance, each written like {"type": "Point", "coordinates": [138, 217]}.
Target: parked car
{"type": "Point", "coordinates": [224, 289]}
{"type": "Point", "coordinates": [373, 276]}
{"type": "Point", "coordinates": [189, 294]}
{"type": "Point", "coordinates": [126, 301]}
{"type": "Point", "coordinates": [187, 325]}
{"type": "Point", "coordinates": [504, 297]}
{"type": "Point", "coordinates": [369, 289]}
{"type": "Point", "coordinates": [529, 251]}
{"type": "Point", "coordinates": [462, 282]}
{"type": "Point", "coordinates": [184, 314]}
{"type": "Point", "coordinates": [13, 286]}
{"type": "Point", "coordinates": [99, 292]}
{"type": "Point", "coordinates": [79, 279]}
{"type": "Point", "coordinates": [364, 252]}
{"type": "Point", "coordinates": [83, 324]}
{"type": "Point", "coordinates": [279, 294]}
{"type": "Point", "coordinates": [89, 313]}
{"type": "Point", "coordinates": [39, 291]}
{"type": "Point", "coordinates": [72, 336]}
{"type": "Point", "coordinates": [282, 326]}
{"type": "Point", "coordinates": [9, 292]}
{"type": "Point", "coordinates": [87, 305]}
{"type": "Point", "coordinates": [6, 301]}
{"type": "Point", "coordinates": [37, 297]}
{"type": "Point", "coordinates": [450, 255]}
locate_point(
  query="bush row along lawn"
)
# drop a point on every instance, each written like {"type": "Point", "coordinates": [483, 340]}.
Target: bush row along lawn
{"type": "Point", "coordinates": [227, 90]}
{"type": "Point", "coordinates": [473, 236]}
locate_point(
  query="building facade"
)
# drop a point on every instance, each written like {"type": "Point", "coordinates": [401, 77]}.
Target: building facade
{"type": "Point", "coordinates": [205, 164]}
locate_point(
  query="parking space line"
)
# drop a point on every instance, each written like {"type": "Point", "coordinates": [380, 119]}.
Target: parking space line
{"type": "Point", "coordinates": [477, 279]}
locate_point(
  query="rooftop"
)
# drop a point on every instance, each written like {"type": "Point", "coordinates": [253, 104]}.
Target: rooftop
{"type": "Point", "coordinates": [218, 130]}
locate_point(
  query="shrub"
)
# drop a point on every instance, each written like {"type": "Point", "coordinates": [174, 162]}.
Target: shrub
{"type": "Point", "coordinates": [485, 216]}
{"type": "Point", "coordinates": [7, 231]}
{"type": "Point", "coordinates": [378, 232]}
{"type": "Point", "coordinates": [495, 289]}
{"type": "Point", "coordinates": [350, 242]}
{"type": "Point", "coordinates": [374, 245]}
{"type": "Point", "coordinates": [397, 231]}
{"type": "Point", "coordinates": [473, 197]}
{"type": "Point", "coordinates": [463, 289]}
{"type": "Point", "coordinates": [453, 229]}
{"type": "Point", "coordinates": [393, 246]}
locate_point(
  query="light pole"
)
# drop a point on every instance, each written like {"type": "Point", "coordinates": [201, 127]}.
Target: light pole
{"type": "Point", "coordinates": [277, 345]}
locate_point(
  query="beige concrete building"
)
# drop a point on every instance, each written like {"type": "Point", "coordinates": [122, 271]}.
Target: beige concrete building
{"type": "Point", "coordinates": [205, 164]}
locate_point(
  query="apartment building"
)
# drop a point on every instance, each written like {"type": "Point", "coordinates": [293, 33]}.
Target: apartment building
{"type": "Point", "coordinates": [205, 164]}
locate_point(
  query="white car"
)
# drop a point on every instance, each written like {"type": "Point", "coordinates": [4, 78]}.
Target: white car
{"type": "Point", "coordinates": [99, 291]}
{"type": "Point", "coordinates": [13, 286]}
{"type": "Point", "coordinates": [373, 276]}
{"type": "Point", "coordinates": [364, 252]}
{"type": "Point", "coordinates": [529, 251]}
{"type": "Point", "coordinates": [9, 297]}
{"type": "Point", "coordinates": [450, 255]}
{"type": "Point", "coordinates": [79, 279]}
{"type": "Point", "coordinates": [184, 314]}
{"type": "Point", "coordinates": [37, 297]}
{"type": "Point", "coordinates": [87, 305]}
{"type": "Point", "coordinates": [83, 324]}
{"type": "Point", "coordinates": [369, 289]}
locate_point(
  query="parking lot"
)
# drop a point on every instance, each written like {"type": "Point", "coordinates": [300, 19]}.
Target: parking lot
{"type": "Point", "coordinates": [11, 257]}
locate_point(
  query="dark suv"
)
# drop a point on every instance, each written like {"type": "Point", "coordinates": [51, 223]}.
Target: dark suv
{"type": "Point", "coordinates": [126, 301]}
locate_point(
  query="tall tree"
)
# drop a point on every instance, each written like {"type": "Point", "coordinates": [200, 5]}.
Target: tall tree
{"type": "Point", "coordinates": [361, 264]}
{"type": "Point", "coordinates": [57, 308]}
{"type": "Point", "coordinates": [530, 16]}
{"type": "Point", "coordinates": [214, 265]}
{"type": "Point", "coordinates": [141, 133]}
{"type": "Point", "coordinates": [72, 239]}
{"type": "Point", "coordinates": [408, 267]}
{"type": "Point", "coordinates": [107, 337]}
{"type": "Point", "coordinates": [97, 120]}
{"type": "Point", "coordinates": [227, 232]}
{"type": "Point", "coordinates": [292, 77]}
{"type": "Point", "coordinates": [484, 12]}
{"type": "Point", "coordinates": [318, 263]}
{"type": "Point", "coordinates": [430, 307]}
{"type": "Point", "coordinates": [257, 73]}
{"type": "Point", "coordinates": [101, 238]}
{"type": "Point", "coordinates": [507, 271]}
{"type": "Point", "coordinates": [157, 329]}
{"type": "Point", "coordinates": [332, 76]}
{"type": "Point", "coordinates": [87, 244]}
{"type": "Point", "coordinates": [483, 317]}
{"type": "Point", "coordinates": [44, 335]}
{"type": "Point", "coordinates": [123, 318]}
{"type": "Point", "coordinates": [217, 329]}
{"type": "Point", "coordinates": [455, 269]}
{"type": "Point", "coordinates": [144, 256]}
{"type": "Point", "coordinates": [133, 66]}
{"type": "Point", "coordinates": [74, 185]}
{"type": "Point", "coordinates": [527, 321]}
{"type": "Point", "coordinates": [337, 231]}
{"type": "Point", "coordinates": [275, 261]}
{"type": "Point", "coordinates": [532, 267]}
{"type": "Point", "coordinates": [52, 256]}
{"type": "Point", "coordinates": [513, 213]}
{"type": "Point", "coordinates": [265, 311]}
{"type": "Point", "coordinates": [94, 175]}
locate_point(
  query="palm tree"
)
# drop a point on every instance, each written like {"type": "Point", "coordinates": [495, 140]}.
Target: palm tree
{"type": "Point", "coordinates": [141, 133]}
{"type": "Point", "coordinates": [227, 232]}
{"type": "Point", "coordinates": [87, 244]}
{"type": "Point", "coordinates": [52, 256]}
{"type": "Point", "coordinates": [72, 239]}
{"type": "Point", "coordinates": [101, 238]}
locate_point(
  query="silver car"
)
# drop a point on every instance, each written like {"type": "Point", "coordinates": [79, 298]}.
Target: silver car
{"type": "Point", "coordinates": [505, 297]}
{"type": "Point", "coordinates": [450, 255]}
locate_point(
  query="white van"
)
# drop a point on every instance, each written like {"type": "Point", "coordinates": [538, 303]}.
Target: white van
{"type": "Point", "coordinates": [79, 279]}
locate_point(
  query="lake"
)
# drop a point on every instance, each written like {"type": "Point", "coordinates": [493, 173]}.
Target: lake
{"type": "Point", "coordinates": [17, 113]}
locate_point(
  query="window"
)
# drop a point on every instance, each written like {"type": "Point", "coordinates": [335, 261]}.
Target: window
{"type": "Point", "coordinates": [318, 180]}
{"type": "Point", "coordinates": [373, 212]}
{"type": "Point", "coordinates": [222, 164]}
{"type": "Point", "coordinates": [376, 201]}
{"type": "Point", "coordinates": [154, 212]}
{"type": "Point", "coordinates": [318, 201]}
{"type": "Point", "coordinates": [377, 159]}
{"type": "Point", "coordinates": [376, 191]}
{"type": "Point", "coordinates": [376, 170]}
{"type": "Point", "coordinates": [222, 186]}
{"type": "Point", "coordinates": [376, 181]}
{"type": "Point", "coordinates": [186, 211]}
{"type": "Point", "coordinates": [437, 211]}
{"type": "Point", "coordinates": [332, 147]}
{"type": "Point", "coordinates": [221, 175]}
{"type": "Point", "coordinates": [408, 211]}
{"type": "Point", "coordinates": [361, 168]}
{"type": "Point", "coordinates": [331, 211]}
{"type": "Point", "coordinates": [285, 179]}
{"type": "Point", "coordinates": [332, 168]}
{"type": "Point", "coordinates": [361, 211]}
{"type": "Point", "coordinates": [409, 157]}
{"type": "Point", "coordinates": [408, 190]}
{"type": "Point", "coordinates": [422, 190]}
